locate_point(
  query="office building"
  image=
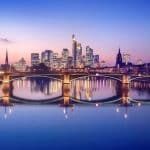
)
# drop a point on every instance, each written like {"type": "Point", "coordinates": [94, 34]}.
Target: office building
{"type": "Point", "coordinates": [35, 60]}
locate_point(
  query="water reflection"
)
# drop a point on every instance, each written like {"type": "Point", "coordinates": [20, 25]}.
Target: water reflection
{"type": "Point", "coordinates": [96, 88]}
{"type": "Point", "coordinates": [37, 88]}
{"type": "Point", "coordinates": [140, 90]}
{"type": "Point", "coordinates": [91, 89]}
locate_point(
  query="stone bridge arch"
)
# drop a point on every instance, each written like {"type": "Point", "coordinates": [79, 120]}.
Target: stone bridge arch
{"type": "Point", "coordinates": [102, 75]}
{"type": "Point", "coordinates": [139, 77]}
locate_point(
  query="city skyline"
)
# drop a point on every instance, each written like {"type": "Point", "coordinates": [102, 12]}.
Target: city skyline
{"type": "Point", "coordinates": [33, 26]}
{"type": "Point", "coordinates": [74, 74]}
{"type": "Point", "coordinates": [126, 56]}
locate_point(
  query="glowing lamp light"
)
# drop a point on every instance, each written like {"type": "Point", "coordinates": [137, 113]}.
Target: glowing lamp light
{"type": "Point", "coordinates": [1, 72]}
{"type": "Point", "coordinates": [90, 98]}
{"type": "Point", "coordinates": [139, 104]}
{"type": "Point", "coordinates": [125, 115]}
{"type": "Point", "coordinates": [97, 105]}
{"type": "Point", "coordinates": [117, 110]}
{"type": "Point", "coordinates": [64, 111]}
{"type": "Point", "coordinates": [6, 81]}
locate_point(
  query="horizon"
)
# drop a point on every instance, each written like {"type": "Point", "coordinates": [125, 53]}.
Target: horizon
{"type": "Point", "coordinates": [37, 25]}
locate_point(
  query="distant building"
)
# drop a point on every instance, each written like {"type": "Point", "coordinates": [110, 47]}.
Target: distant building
{"type": "Point", "coordinates": [103, 64]}
{"type": "Point", "coordinates": [56, 62]}
{"type": "Point", "coordinates": [83, 60]}
{"type": "Point", "coordinates": [89, 57]}
{"type": "Point", "coordinates": [6, 67]}
{"type": "Point", "coordinates": [21, 65]}
{"type": "Point", "coordinates": [35, 59]}
{"type": "Point", "coordinates": [79, 56]}
{"type": "Point", "coordinates": [96, 61]}
{"type": "Point", "coordinates": [126, 58]}
{"type": "Point", "coordinates": [74, 50]}
{"type": "Point", "coordinates": [65, 55]}
{"type": "Point", "coordinates": [47, 58]}
{"type": "Point", "coordinates": [119, 61]}
{"type": "Point", "coordinates": [70, 62]}
{"type": "Point", "coordinates": [139, 62]}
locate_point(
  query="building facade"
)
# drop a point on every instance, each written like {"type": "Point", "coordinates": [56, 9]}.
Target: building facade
{"type": "Point", "coordinates": [20, 66]}
{"type": "Point", "coordinates": [89, 57]}
{"type": "Point", "coordinates": [35, 59]}
{"type": "Point", "coordinates": [74, 50]}
{"type": "Point", "coordinates": [47, 58]}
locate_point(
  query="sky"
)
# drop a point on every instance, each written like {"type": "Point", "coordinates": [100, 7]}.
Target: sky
{"type": "Point", "coordinates": [105, 25]}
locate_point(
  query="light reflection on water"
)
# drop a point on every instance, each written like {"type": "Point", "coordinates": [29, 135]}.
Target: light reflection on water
{"type": "Point", "coordinates": [85, 89]}
{"type": "Point", "coordinates": [37, 88]}
{"type": "Point", "coordinates": [93, 89]}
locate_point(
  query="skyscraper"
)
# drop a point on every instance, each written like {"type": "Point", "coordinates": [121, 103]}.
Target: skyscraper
{"type": "Point", "coordinates": [65, 55]}
{"type": "Point", "coordinates": [119, 59]}
{"type": "Point", "coordinates": [89, 56]}
{"type": "Point", "coordinates": [56, 63]}
{"type": "Point", "coordinates": [47, 58]}
{"type": "Point", "coordinates": [78, 55]}
{"type": "Point", "coordinates": [74, 50]}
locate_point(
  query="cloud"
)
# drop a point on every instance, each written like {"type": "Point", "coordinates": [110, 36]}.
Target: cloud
{"type": "Point", "coordinates": [4, 40]}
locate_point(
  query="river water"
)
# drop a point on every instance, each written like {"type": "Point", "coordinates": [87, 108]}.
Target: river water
{"type": "Point", "coordinates": [80, 126]}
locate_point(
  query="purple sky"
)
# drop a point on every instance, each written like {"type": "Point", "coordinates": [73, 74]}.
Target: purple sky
{"type": "Point", "coordinates": [36, 25]}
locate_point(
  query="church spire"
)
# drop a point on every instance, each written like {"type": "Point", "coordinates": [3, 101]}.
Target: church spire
{"type": "Point", "coordinates": [119, 59]}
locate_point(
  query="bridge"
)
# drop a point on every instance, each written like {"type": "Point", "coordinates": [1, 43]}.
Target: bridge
{"type": "Point", "coordinates": [123, 78]}
{"type": "Point", "coordinates": [67, 79]}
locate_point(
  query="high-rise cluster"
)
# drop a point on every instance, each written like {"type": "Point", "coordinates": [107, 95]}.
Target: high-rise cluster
{"type": "Point", "coordinates": [79, 60]}
{"type": "Point", "coordinates": [76, 60]}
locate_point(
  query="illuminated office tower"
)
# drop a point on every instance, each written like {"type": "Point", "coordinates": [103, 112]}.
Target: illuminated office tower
{"type": "Point", "coordinates": [47, 58]}
{"type": "Point", "coordinates": [65, 55]}
{"type": "Point", "coordinates": [35, 59]}
{"type": "Point", "coordinates": [74, 50]}
{"type": "Point", "coordinates": [89, 57]}
{"type": "Point", "coordinates": [55, 61]}
{"type": "Point", "coordinates": [79, 56]}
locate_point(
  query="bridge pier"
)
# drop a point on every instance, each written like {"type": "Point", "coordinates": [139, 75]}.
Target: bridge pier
{"type": "Point", "coordinates": [6, 78]}
{"type": "Point", "coordinates": [6, 89]}
{"type": "Point", "coordinates": [125, 94]}
{"type": "Point", "coordinates": [125, 79]}
{"type": "Point", "coordinates": [66, 89]}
